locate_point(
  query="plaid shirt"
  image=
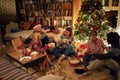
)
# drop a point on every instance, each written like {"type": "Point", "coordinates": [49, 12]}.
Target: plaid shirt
{"type": "Point", "coordinates": [97, 47]}
{"type": "Point", "coordinates": [35, 46]}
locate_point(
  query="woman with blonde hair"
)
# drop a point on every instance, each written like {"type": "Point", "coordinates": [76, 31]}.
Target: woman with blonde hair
{"type": "Point", "coordinates": [44, 38]}
{"type": "Point", "coordinates": [36, 45]}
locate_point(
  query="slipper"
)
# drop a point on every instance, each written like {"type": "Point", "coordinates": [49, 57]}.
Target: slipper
{"type": "Point", "coordinates": [79, 71]}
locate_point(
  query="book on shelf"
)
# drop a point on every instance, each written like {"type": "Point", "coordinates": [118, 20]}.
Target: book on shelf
{"type": "Point", "coordinates": [28, 7]}
{"type": "Point", "coordinates": [31, 19]}
{"type": "Point", "coordinates": [53, 1]}
{"type": "Point", "coordinates": [42, 1]}
{"type": "Point", "coordinates": [48, 21]}
{"type": "Point", "coordinates": [59, 22]}
{"type": "Point", "coordinates": [68, 0]}
{"type": "Point", "coordinates": [63, 13]}
{"type": "Point", "coordinates": [49, 6]}
{"type": "Point", "coordinates": [48, 1]}
{"type": "Point", "coordinates": [70, 22]}
{"type": "Point", "coordinates": [50, 13]}
{"type": "Point", "coordinates": [58, 13]}
{"type": "Point", "coordinates": [46, 6]}
{"type": "Point", "coordinates": [67, 6]}
{"type": "Point", "coordinates": [37, 7]}
{"type": "Point", "coordinates": [36, 13]}
{"type": "Point", "coordinates": [29, 13]}
{"type": "Point", "coordinates": [41, 6]}
{"type": "Point", "coordinates": [41, 13]}
{"type": "Point", "coordinates": [69, 13]}
{"type": "Point", "coordinates": [58, 6]}
{"type": "Point", "coordinates": [60, 0]}
{"type": "Point", "coordinates": [53, 6]}
{"type": "Point", "coordinates": [28, 1]}
{"type": "Point", "coordinates": [67, 22]}
{"type": "Point", "coordinates": [66, 12]}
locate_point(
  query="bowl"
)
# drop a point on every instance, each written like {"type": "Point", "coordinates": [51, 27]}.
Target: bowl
{"type": "Point", "coordinates": [74, 62]}
{"type": "Point", "coordinates": [25, 58]}
{"type": "Point", "coordinates": [34, 53]}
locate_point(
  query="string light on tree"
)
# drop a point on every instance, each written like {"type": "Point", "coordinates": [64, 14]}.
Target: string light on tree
{"type": "Point", "coordinates": [91, 17]}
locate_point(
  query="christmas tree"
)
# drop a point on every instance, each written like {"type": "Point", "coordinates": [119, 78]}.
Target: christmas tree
{"type": "Point", "coordinates": [91, 17]}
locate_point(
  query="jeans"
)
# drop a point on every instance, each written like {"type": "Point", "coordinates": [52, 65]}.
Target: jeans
{"type": "Point", "coordinates": [86, 59]}
{"type": "Point", "coordinates": [57, 51]}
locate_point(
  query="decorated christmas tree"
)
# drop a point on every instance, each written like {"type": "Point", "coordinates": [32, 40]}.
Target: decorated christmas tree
{"type": "Point", "coordinates": [91, 17]}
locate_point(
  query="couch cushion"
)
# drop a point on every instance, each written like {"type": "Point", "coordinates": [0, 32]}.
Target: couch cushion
{"type": "Point", "coordinates": [11, 25]}
{"type": "Point", "coordinates": [16, 30]}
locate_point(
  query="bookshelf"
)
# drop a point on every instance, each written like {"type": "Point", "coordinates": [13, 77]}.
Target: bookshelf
{"type": "Point", "coordinates": [44, 10]}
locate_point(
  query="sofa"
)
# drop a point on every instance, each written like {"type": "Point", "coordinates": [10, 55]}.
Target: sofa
{"type": "Point", "coordinates": [9, 71]}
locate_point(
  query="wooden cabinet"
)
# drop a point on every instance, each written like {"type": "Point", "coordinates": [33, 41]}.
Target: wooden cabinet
{"type": "Point", "coordinates": [44, 10]}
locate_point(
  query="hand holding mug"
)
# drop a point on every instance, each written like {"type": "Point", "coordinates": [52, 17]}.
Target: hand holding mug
{"type": "Point", "coordinates": [65, 41]}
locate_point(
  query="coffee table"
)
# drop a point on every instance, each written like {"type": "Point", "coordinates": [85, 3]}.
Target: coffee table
{"type": "Point", "coordinates": [35, 60]}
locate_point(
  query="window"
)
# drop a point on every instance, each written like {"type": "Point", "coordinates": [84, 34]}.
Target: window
{"type": "Point", "coordinates": [115, 2]}
{"type": "Point", "coordinates": [106, 2]}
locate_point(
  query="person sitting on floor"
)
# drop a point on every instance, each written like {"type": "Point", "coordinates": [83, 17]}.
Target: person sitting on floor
{"type": "Point", "coordinates": [94, 45]}
{"type": "Point", "coordinates": [64, 47]}
{"type": "Point", "coordinates": [36, 44]}
{"type": "Point", "coordinates": [107, 60]}
{"type": "Point", "coordinates": [44, 37]}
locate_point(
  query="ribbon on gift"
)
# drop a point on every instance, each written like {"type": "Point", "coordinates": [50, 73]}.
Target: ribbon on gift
{"type": "Point", "coordinates": [83, 46]}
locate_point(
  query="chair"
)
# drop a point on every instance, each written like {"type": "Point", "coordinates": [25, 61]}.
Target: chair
{"type": "Point", "coordinates": [17, 43]}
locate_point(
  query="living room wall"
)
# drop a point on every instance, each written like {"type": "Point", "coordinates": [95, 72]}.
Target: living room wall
{"type": "Point", "coordinates": [7, 11]}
